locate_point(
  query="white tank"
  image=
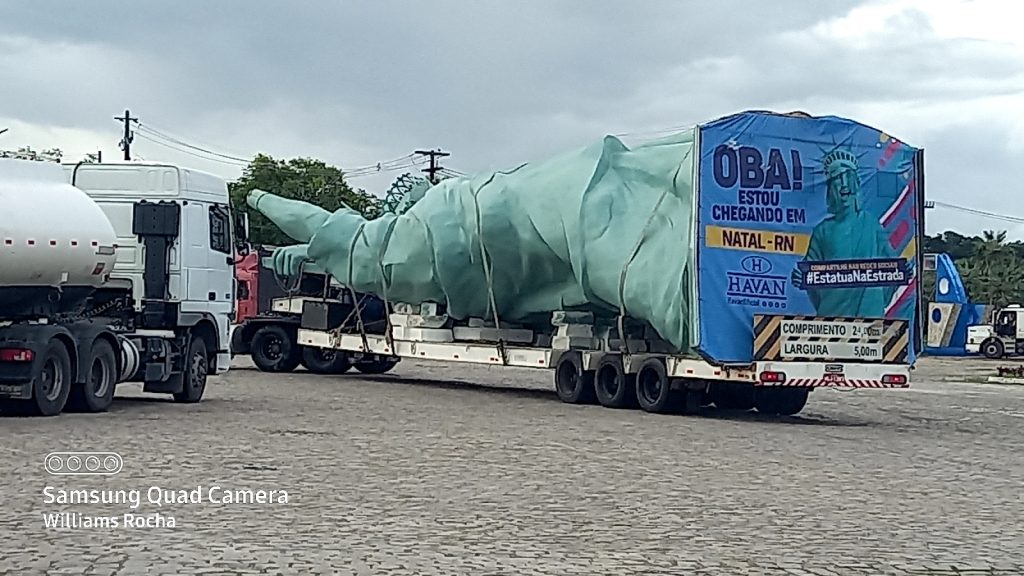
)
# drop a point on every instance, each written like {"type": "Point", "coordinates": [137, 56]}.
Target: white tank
{"type": "Point", "coordinates": [51, 233]}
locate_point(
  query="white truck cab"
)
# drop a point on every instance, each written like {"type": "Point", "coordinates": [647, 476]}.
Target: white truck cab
{"type": "Point", "coordinates": [1005, 336]}
{"type": "Point", "coordinates": [189, 264]}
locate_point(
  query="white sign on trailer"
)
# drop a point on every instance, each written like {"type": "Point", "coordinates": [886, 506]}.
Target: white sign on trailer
{"type": "Point", "coordinates": [836, 350]}
{"type": "Point", "coordinates": [830, 329]}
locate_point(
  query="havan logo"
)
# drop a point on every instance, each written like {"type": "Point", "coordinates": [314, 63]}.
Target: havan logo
{"type": "Point", "coordinates": [755, 281]}
{"type": "Point", "coordinates": [756, 265]}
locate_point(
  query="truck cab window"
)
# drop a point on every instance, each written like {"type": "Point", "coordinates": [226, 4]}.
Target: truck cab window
{"type": "Point", "coordinates": [220, 229]}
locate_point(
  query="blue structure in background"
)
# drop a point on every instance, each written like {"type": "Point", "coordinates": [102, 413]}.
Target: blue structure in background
{"type": "Point", "coordinates": [950, 312]}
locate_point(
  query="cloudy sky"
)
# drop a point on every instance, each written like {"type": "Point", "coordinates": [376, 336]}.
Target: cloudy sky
{"type": "Point", "coordinates": [500, 82]}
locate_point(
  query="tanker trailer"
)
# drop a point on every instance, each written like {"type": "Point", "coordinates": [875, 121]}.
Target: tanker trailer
{"type": "Point", "coordinates": [70, 328]}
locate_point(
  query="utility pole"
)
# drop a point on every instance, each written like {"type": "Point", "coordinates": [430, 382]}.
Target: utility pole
{"type": "Point", "coordinates": [126, 140]}
{"type": "Point", "coordinates": [434, 166]}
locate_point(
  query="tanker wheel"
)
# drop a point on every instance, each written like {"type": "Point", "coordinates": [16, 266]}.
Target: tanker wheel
{"type": "Point", "coordinates": [573, 384]}
{"type": "Point", "coordinates": [378, 366]}
{"type": "Point", "coordinates": [51, 386]}
{"type": "Point", "coordinates": [324, 360]}
{"type": "Point", "coordinates": [96, 393]}
{"type": "Point", "coordinates": [614, 388]}
{"type": "Point", "coordinates": [274, 350]}
{"type": "Point", "coordinates": [781, 401]}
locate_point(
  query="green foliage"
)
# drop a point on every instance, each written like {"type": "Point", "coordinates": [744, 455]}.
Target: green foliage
{"type": "Point", "coordinates": [992, 268]}
{"type": "Point", "coordinates": [301, 179]}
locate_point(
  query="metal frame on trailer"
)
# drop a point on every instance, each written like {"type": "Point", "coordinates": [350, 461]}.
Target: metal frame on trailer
{"type": "Point", "coordinates": [792, 374]}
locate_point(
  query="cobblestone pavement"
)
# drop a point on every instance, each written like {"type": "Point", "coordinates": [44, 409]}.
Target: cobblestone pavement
{"type": "Point", "coordinates": [487, 473]}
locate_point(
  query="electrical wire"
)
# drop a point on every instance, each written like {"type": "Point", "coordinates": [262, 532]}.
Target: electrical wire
{"type": "Point", "coordinates": [975, 211]}
{"type": "Point", "coordinates": [165, 139]}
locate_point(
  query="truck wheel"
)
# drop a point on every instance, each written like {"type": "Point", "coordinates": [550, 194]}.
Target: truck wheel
{"type": "Point", "coordinates": [193, 381]}
{"type": "Point", "coordinates": [572, 384]}
{"type": "Point", "coordinates": [653, 387]}
{"type": "Point", "coordinates": [614, 388]}
{"type": "Point", "coordinates": [195, 372]}
{"type": "Point", "coordinates": [378, 366]}
{"type": "Point", "coordinates": [52, 385]}
{"type": "Point", "coordinates": [96, 393]}
{"type": "Point", "coordinates": [781, 401]}
{"type": "Point", "coordinates": [728, 396]}
{"type": "Point", "coordinates": [273, 350]}
{"type": "Point", "coordinates": [324, 360]}
{"type": "Point", "coordinates": [992, 348]}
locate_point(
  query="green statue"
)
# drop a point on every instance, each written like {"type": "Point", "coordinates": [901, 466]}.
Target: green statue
{"type": "Point", "coordinates": [849, 232]}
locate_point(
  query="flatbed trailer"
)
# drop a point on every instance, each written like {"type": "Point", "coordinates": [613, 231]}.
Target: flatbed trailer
{"type": "Point", "coordinates": [590, 363]}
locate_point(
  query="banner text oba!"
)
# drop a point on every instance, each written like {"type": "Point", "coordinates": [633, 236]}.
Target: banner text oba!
{"type": "Point", "coordinates": [760, 182]}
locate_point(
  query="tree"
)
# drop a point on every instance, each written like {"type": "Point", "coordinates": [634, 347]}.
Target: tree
{"type": "Point", "coordinates": [303, 179]}
{"type": "Point", "coordinates": [992, 268]}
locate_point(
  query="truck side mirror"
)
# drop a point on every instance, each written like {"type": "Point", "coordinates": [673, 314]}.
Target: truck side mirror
{"type": "Point", "coordinates": [241, 228]}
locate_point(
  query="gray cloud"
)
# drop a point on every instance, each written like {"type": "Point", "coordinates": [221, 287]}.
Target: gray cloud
{"type": "Point", "coordinates": [495, 82]}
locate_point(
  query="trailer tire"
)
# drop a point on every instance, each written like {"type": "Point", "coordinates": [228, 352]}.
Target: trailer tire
{"type": "Point", "coordinates": [992, 349]}
{"type": "Point", "coordinates": [96, 392]}
{"type": "Point", "coordinates": [194, 373]}
{"type": "Point", "coordinates": [274, 350]}
{"type": "Point", "coordinates": [653, 387]}
{"type": "Point", "coordinates": [52, 385]}
{"type": "Point", "coordinates": [781, 401]}
{"type": "Point", "coordinates": [573, 384]}
{"type": "Point", "coordinates": [379, 366]}
{"type": "Point", "coordinates": [325, 360]}
{"type": "Point", "coordinates": [613, 387]}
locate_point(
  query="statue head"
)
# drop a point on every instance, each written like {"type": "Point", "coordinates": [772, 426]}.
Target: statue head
{"type": "Point", "coordinates": [843, 182]}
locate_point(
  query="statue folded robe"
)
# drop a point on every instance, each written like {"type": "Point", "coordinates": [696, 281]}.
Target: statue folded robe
{"type": "Point", "coordinates": [605, 228]}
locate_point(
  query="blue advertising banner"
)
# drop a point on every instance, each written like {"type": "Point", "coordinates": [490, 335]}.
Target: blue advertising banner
{"type": "Point", "coordinates": [802, 216]}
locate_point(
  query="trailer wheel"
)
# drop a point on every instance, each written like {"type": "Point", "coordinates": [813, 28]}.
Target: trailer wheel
{"type": "Point", "coordinates": [324, 360]}
{"type": "Point", "coordinates": [781, 401]}
{"type": "Point", "coordinates": [992, 349]}
{"type": "Point", "coordinates": [614, 388]}
{"type": "Point", "coordinates": [379, 366]}
{"type": "Point", "coordinates": [572, 384]}
{"type": "Point", "coordinates": [274, 350]}
{"type": "Point", "coordinates": [729, 396]}
{"type": "Point", "coordinates": [653, 387]}
{"type": "Point", "coordinates": [52, 385]}
{"type": "Point", "coordinates": [96, 393]}
{"type": "Point", "coordinates": [193, 380]}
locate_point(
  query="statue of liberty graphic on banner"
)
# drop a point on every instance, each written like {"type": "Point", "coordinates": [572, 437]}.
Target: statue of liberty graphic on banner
{"type": "Point", "coordinates": [849, 235]}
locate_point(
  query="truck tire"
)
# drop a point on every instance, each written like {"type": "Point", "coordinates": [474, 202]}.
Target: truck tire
{"type": "Point", "coordinates": [992, 348]}
{"type": "Point", "coordinates": [96, 393]}
{"type": "Point", "coordinates": [274, 350]}
{"type": "Point", "coordinates": [193, 376]}
{"type": "Point", "coordinates": [52, 385]}
{"type": "Point", "coordinates": [653, 387]}
{"type": "Point", "coordinates": [378, 366]}
{"type": "Point", "coordinates": [572, 384]}
{"type": "Point", "coordinates": [613, 387]}
{"type": "Point", "coordinates": [325, 360]}
{"type": "Point", "coordinates": [781, 401]}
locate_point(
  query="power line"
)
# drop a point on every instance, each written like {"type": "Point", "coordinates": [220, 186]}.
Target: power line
{"type": "Point", "coordinates": [966, 210]}
{"type": "Point", "coordinates": [169, 138]}
{"type": "Point", "coordinates": [182, 150]}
